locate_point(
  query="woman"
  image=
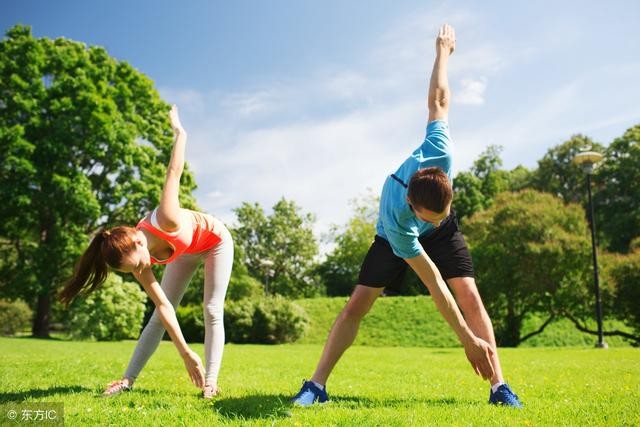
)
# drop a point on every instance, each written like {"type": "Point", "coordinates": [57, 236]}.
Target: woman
{"type": "Point", "coordinates": [181, 239]}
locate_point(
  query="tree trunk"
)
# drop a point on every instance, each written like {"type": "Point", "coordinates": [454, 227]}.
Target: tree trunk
{"type": "Point", "coordinates": [510, 334]}
{"type": "Point", "coordinates": [42, 317]}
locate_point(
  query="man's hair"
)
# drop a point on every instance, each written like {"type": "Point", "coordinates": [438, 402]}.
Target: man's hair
{"type": "Point", "coordinates": [430, 189]}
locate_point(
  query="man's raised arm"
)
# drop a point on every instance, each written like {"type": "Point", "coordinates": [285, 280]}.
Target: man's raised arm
{"type": "Point", "coordinates": [439, 94]}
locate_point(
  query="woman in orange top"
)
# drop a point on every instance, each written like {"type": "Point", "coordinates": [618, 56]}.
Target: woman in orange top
{"type": "Point", "coordinates": [181, 239]}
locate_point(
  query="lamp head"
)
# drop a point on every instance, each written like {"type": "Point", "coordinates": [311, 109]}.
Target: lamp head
{"type": "Point", "coordinates": [587, 159]}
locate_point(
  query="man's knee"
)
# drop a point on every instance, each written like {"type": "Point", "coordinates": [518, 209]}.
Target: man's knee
{"type": "Point", "coordinates": [354, 312]}
{"type": "Point", "coordinates": [358, 306]}
{"type": "Point", "coordinates": [468, 298]}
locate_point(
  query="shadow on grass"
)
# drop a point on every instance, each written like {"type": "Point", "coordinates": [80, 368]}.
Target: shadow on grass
{"type": "Point", "coordinates": [365, 402]}
{"type": "Point", "coordinates": [265, 406]}
{"type": "Point", "coordinates": [37, 393]}
{"type": "Point", "coordinates": [28, 337]}
{"type": "Point", "coordinates": [253, 407]}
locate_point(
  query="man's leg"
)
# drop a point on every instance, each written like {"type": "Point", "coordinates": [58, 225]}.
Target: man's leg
{"type": "Point", "coordinates": [344, 330]}
{"type": "Point", "coordinates": [469, 301]}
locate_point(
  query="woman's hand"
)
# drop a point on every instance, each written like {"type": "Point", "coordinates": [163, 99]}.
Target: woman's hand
{"type": "Point", "coordinates": [194, 366]}
{"type": "Point", "coordinates": [175, 120]}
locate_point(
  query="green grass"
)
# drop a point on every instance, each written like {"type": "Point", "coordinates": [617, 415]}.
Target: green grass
{"type": "Point", "coordinates": [416, 322]}
{"type": "Point", "coordinates": [371, 386]}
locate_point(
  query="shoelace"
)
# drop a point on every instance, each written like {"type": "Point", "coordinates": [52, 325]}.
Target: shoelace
{"type": "Point", "coordinates": [512, 397]}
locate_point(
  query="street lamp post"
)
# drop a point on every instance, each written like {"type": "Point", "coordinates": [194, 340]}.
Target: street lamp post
{"type": "Point", "coordinates": [588, 160]}
{"type": "Point", "coordinates": [267, 265]}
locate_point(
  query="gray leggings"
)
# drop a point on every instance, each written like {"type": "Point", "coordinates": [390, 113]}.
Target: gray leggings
{"type": "Point", "coordinates": [218, 262]}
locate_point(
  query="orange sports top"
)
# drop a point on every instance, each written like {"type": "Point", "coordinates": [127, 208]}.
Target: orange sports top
{"type": "Point", "coordinates": [197, 233]}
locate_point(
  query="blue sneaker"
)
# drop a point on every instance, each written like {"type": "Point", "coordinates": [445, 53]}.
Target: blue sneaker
{"type": "Point", "coordinates": [505, 396]}
{"type": "Point", "coordinates": [310, 394]}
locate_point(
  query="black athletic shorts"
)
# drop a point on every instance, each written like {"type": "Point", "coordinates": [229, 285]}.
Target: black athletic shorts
{"type": "Point", "coordinates": [445, 246]}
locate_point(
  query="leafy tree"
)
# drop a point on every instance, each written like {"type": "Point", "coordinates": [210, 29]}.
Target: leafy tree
{"type": "Point", "coordinates": [532, 256]}
{"type": "Point", "coordinates": [467, 195]}
{"type": "Point", "coordinates": [475, 190]}
{"type": "Point", "coordinates": [617, 201]}
{"type": "Point", "coordinates": [283, 239]}
{"type": "Point", "coordinates": [620, 291]}
{"type": "Point", "coordinates": [626, 276]}
{"type": "Point", "coordinates": [84, 140]}
{"type": "Point", "coordinates": [558, 175]}
{"type": "Point", "coordinates": [339, 271]}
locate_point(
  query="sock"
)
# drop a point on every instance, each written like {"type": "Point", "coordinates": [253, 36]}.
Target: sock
{"type": "Point", "coordinates": [320, 386]}
{"type": "Point", "coordinates": [495, 386]}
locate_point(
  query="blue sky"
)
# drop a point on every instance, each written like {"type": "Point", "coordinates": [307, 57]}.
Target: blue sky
{"type": "Point", "coordinates": [318, 101]}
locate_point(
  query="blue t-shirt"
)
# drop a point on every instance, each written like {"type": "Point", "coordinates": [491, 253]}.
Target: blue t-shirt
{"type": "Point", "coordinates": [396, 222]}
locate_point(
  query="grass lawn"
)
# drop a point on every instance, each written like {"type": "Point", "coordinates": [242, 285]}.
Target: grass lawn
{"type": "Point", "coordinates": [371, 386]}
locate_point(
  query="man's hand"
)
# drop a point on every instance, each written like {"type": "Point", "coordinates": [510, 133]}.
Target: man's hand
{"type": "Point", "coordinates": [479, 354]}
{"type": "Point", "coordinates": [446, 41]}
{"type": "Point", "coordinates": [194, 366]}
{"type": "Point", "coordinates": [175, 120]}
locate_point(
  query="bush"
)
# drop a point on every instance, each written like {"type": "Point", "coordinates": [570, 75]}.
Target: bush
{"type": "Point", "coordinates": [263, 320]}
{"type": "Point", "coordinates": [114, 312]}
{"type": "Point", "coordinates": [244, 286]}
{"type": "Point", "coordinates": [269, 320]}
{"type": "Point", "coordinates": [191, 322]}
{"type": "Point", "coordinates": [15, 316]}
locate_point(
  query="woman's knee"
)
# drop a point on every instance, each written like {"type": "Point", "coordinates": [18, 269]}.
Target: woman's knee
{"type": "Point", "coordinates": [214, 312]}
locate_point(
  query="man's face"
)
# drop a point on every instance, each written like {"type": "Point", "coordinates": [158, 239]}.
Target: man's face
{"type": "Point", "coordinates": [431, 217]}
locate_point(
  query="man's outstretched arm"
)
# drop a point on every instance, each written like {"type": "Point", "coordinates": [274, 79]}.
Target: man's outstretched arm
{"type": "Point", "coordinates": [478, 352]}
{"type": "Point", "coordinates": [439, 94]}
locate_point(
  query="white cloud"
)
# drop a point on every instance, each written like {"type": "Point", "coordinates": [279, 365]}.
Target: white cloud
{"type": "Point", "coordinates": [251, 103]}
{"type": "Point", "coordinates": [471, 92]}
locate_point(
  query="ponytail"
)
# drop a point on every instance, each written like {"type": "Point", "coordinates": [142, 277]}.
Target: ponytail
{"type": "Point", "coordinates": [106, 249]}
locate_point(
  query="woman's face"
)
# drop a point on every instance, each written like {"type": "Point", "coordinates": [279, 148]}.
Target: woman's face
{"type": "Point", "coordinates": [139, 259]}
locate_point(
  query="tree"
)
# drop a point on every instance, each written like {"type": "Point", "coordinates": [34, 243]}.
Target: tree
{"type": "Point", "coordinates": [626, 276]}
{"type": "Point", "coordinates": [559, 175]}
{"type": "Point", "coordinates": [617, 201]}
{"type": "Point", "coordinates": [339, 271]}
{"type": "Point", "coordinates": [284, 239]}
{"type": "Point", "coordinates": [532, 256]}
{"type": "Point", "coordinates": [84, 140]}
{"type": "Point", "coordinates": [476, 189]}
{"type": "Point", "coordinates": [467, 195]}
{"type": "Point", "coordinates": [620, 290]}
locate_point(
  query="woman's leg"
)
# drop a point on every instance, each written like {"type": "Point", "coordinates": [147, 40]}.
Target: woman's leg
{"type": "Point", "coordinates": [175, 279]}
{"type": "Point", "coordinates": [217, 272]}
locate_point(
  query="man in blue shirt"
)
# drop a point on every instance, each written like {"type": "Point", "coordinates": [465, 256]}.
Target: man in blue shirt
{"type": "Point", "coordinates": [417, 227]}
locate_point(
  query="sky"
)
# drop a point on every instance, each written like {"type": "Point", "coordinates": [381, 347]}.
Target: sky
{"type": "Point", "coordinates": [318, 101]}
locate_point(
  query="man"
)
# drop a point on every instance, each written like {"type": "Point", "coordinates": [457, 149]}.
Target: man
{"type": "Point", "coordinates": [417, 227]}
